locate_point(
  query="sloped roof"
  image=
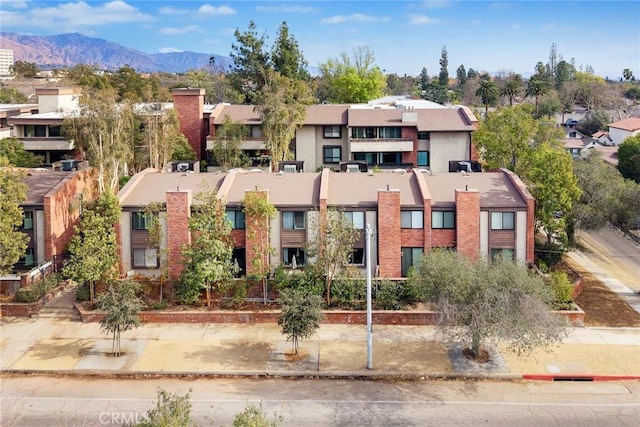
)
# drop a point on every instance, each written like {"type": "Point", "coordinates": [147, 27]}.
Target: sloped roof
{"type": "Point", "coordinates": [40, 182]}
{"type": "Point", "coordinates": [240, 113]}
{"type": "Point", "coordinates": [361, 189]}
{"type": "Point", "coordinates": [630, 124]}
{"type": "Point", "coordinates": [330, 114]}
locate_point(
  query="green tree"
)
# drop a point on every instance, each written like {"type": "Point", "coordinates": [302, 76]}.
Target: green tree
{"type": "Point", "coordinates": [226, 150]}
{"type": "Point", "coordinates": [24, 69]}
{"type": "Point", "coordinates": [282, 104]}
{"type": "Point", "coordinates": [159, 136]}
{"type": "Point", "coordinates": [512, 88]}
{"type": "Point", "coordinates": [353, 79]}
{"type": "Point", "coordinates": [207, 260]}
{"type": "Point", "coordinates": [593, 122]}
{"type": "Point", "coordinates": [106, 130]}
{"type": "Point", "coordinates": [254, 416]}
{"type": "Point", "coordinates": [286, 56]}
{"type": "Point", "coordinates": [13, 192]}
{"type": "Point", "coordinates": [549, 105]}
{"type": "Point", "coordinates": [301, 315]}
{"type": "Point", "coordinates": [88, 76]}
{"type": "Point", "coordinates": [554, 187]}
{"type": "Point", "coordinates": [443, 77]}
{"type": "Point", "coordinates": [250, 62]}
{"type": "Point", "coordinates": [537, 87]}
{"type": "Point", "coordinates": [479, 302]}
{"type": "Point", "coordinates": [259, 212]}
{"type": "Point", "coordinates": [121, 305]}
{"type": "Point", "coordinates": [629, 158]}
{"type": "Point", "coordinates": [13, 150]}
{"type": "Point", "coordinates": [487, 92]}
{"type": "Point", "coordinates": [93, 246]}
{"type": "Point", "coordinates": [11, 95]}
{"type": "Point", "coordinates": [182, 150]}
{"type": "Point", "coordinates": [565, 72]}
{"type": "Point", "coordinates": [332, 245]}
{"type": "Point", "coordinates": [461, 75]}
{"type": "Point", "coordinates": [590, 90]}
{"type": "Point", "coordinates": [172, 410]}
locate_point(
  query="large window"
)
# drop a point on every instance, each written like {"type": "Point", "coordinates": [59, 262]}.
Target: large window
{"type": "Point", "coordinates": [355, 218]}
{"type": "Point", "coordinates": [443, 219]}
{"type": "Point", "coordinates": [27, 220]}
{"type": "Point", "coordinates": [55, 130]}
{"type": "Point", "coordinates": [237, 219]}
{"type": "Point", "coordinates": [35, 131]}
{"type": "Point", "coordinates": [423, 158]}
{"type": "Point", "coordinates": [333, 131]}
{"type": "Point", "coordinates": [332, 154]}
{"type": "Point", "coordinates": [423, 135]}
{"type": "Point", "coordinates": [145, 258]}
{"type": "Point", "coordinates": [363, 132]}
{"type": "Point", "coordinates": [502, 220]}
{"type": "Point", "coordinates": [140, 220]}
{"type": "Point", "coordinates": [256, 132]}
{"type": "Point", "coordinates": [412, 219]}
{"type": "Point", "coordinates": [293, 220]}
{"type": "Point", "coordinates": [410, 258]}
{"type": "Point", "coordinates": [394, 132]}
{"type": "Point", "coordinates": [293, 257]}
{"type": "Point", "coordinates": [357, 256]}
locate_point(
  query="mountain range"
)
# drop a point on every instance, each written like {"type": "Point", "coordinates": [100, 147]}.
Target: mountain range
{"type": "Point", "coordinates": [67, 50]}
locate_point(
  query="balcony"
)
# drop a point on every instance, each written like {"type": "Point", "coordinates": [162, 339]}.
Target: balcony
{"type": "Point", "coordinates": [47, 144]}
{"type": "Point", "coordinates": [367, 145]}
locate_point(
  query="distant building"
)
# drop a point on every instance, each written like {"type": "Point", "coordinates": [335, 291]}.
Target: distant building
{"type": "Point", "coordinates": [6, 61]}
{"type": "Point", "coordinates": [623, 129]}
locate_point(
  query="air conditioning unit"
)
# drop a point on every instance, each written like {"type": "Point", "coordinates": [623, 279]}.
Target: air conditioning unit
{"type": "Point", "coordinates": [182, 167]}
{"type": "Point", "coordinates": [353, 168]}
{"type": "Point", "coordinates": [289, 168]}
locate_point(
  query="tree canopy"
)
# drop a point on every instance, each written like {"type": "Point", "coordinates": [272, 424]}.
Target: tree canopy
{"type": "Point", "coordinates": [13, 192]}
{"type": "Point", "coordinates": [355, 78]}
{"type": "Point", "coordinates": [13, 150]}
{"type": "Point", "coordinates": [629, 158]}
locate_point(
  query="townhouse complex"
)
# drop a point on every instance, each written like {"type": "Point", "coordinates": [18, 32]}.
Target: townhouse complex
{"type": "Point", "coordinates": [477, 214]}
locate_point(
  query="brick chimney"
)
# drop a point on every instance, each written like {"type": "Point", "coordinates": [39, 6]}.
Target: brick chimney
{"type": "Point", "coordinates": [178, 234]}
{"type": "Point", "coordinates": [468, 222]}
{"type": "Point", "coordinates": [189, 106]}
{"type": "Point", "coordinates": [389, 250]}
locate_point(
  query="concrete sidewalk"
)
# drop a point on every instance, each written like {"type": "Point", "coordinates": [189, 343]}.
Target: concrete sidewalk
{"type": "Point", "coordinates": [71, 347]}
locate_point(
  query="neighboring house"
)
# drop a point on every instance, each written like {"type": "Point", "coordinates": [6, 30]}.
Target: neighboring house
{"type": "Point", "coordinates": [570, 132]}
{"type": "Point", "coordinates": [53, 206]}
{"type": "Point", "coordinates": [41, 132]}
{"type": "Point", "coordinates": [623, 129]}
{"type": "Point", "coordinates": [602, 138]}
{"type": "Point", "coordinates": [477, 214]}
{"type": "Point", "coordinates": [380, 136]}
{"type": "Point", "coordinates": [11, 110]}
{"type": "Point", "coordinates": [579, 147]}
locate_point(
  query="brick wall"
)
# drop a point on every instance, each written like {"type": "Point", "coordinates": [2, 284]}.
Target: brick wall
{"type": "Point", "coordinates": [62, 206]}
{"type": "Point", "coordinates": [178, 234]}
{"type": "Point", "coordinates": [412, 238]}
{"type": "Point", "coordinates": [443, 238]}
{"type": "Point", "coordinates": [468, 222]}
{"type": "Point", "coordinates": [389, 235]}
{"type": "Point", "coordinates": [410, 156]}
{"type": "Point", "coordinates": [189, 106]}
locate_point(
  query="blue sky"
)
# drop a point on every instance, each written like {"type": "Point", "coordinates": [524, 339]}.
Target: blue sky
{"type": "Point", "coordinates": [404, 35]}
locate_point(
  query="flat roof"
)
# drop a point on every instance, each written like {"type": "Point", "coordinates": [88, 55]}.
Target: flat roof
{"type": "Point", "coordinates": [40, 182]}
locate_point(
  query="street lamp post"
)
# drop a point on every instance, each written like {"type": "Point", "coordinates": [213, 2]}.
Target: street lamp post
{"type": "Point", "coordinates": [369, 327]}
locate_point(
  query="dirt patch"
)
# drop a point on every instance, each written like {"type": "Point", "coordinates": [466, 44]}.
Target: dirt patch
{"type": "Point", "coordinates": [601, 305]}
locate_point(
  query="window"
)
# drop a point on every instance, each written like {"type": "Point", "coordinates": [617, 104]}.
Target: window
{"type": "Point", "coordinates": [410, 257]}
{"type": "Point", "coordinates": [357, 256]}
{"type": "Point", "coordinates": [332, 154]}
{"type": "Point", "coordinates": [505, 253]}
{"type": "Point", "coordinates": [363, 132]}
{"type": "Point", "coordinates": [140, 220]}
{"type": "Point", "coordinates": [390, 132]}
{"type": "Point", "coordinates": [293, 257]}
{"type": "Point", "coordinates": [423, 135]}
{"type": "Point", "coordinates": [293, 220]}
{"type": "Point", "coordinates": [145, 258]}
{"type": "Point", "coordinates": [390, 158]}
{"type": "Point", "coordinates": [573, 134]}
{"type": "Point", "coordinates": [29, 257]}
{"type": "Point", "coordinates": [37, 131]}
{"type": "Point", "coordinates": [256, 132]}
{"type": "Point", "coordinates": [332, 131]}
{"type": "Point", "coordinates": [411, 219]}
{"type": "Point", "coordinates": [423, 158]}
{"type": "Point", "coordinates": [502, 220]}
{"type": "Point", "coordinates": [443, 219]}
{"type": "Point", "coordinates": [237, 219]}
{"type": "Point", "coordinates": [55, 131]}
{"type": "Point", "coordinates": [370, 158]}
{"type": "Point", "coordinates": [355, 218]}
{"type": "Point", "coordinates": [27, 220]}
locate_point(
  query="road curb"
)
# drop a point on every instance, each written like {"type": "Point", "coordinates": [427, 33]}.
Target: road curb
{"type": "Point", "coordinates": [579, 377]}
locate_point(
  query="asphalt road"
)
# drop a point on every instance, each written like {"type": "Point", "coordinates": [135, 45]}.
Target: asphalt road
{"type": "Point", "coordinates": [43, 401]}
{"type": "Point", "coordinates": [615, 253]}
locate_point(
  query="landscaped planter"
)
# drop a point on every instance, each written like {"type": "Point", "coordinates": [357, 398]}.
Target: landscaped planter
{"type": "Point", "coordinates": [29, 309]}
{"type": "Point", "coordinates": [575, 316]}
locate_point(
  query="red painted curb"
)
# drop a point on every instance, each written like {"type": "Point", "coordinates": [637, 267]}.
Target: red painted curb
{"type": "Point", "coordinates": [579, 377]}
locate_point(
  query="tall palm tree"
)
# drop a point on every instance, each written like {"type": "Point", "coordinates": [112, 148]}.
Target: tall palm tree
{"type": "Point", "coordinates": [512, 88]}
{"type": "Point", "coordinates": [536, 88]}
{"type": "Point", "coordinates": [487, 92]}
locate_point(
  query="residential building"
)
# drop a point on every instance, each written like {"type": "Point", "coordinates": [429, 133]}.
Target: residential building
{"type": "Point", "coordinates": [41, 132]}
{"type": "Point", "coordinates": [380, 135]}
{"type": "Point", "coordinates": [623, 129]}
{"type": "Point", "coordinates": [11, 110]}
{"type": "Point", "coordinates": [477, 214]}
{"type": "Point", "coordinates": [52, 208]}
{"type": "Point", "coordinates": [6, 61]}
